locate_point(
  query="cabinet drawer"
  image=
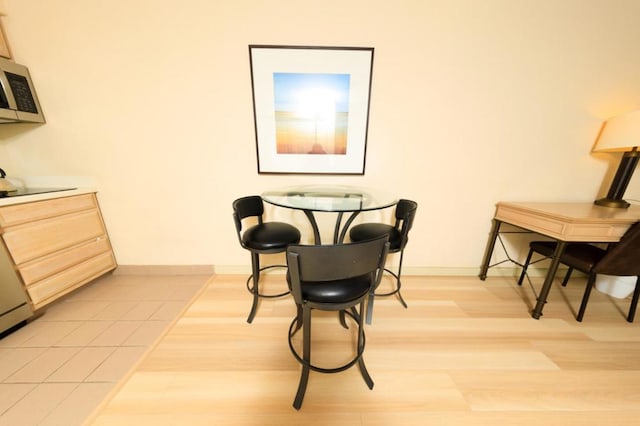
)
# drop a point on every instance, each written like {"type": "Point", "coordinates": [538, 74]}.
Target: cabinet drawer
{"type": "Point", "coordinates": [36, 239]}
{"type": "Point", "coordinates": [39, 269]}
{"type": "Point", "coordinates": [29, 212]}
{"type": "Point", "coordinates": [55, 286]}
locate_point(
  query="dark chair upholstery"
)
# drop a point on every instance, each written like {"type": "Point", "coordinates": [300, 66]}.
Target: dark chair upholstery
{"type": "Point", "coordinates": [623, 259]}
{"type": "Point", "coordinates": [398, 237]}
{"type": "Point", "coordinates": [260, 238]}
{"type": "Point", "coordinates": [332, 278]}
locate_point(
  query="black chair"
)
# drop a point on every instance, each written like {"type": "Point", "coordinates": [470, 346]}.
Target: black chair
{"type": "Point", "coordinates": [623, 259]}
{"type": "Point", "coordinates": [260, 238]}
{"type": "Point", "coordinates": [332, 278]}
{"type": "Point", "coordinates": [398, 237]}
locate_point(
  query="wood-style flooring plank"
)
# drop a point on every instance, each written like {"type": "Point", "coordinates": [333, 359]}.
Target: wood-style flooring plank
{"type": "Point", "coordinates": [465, 352]}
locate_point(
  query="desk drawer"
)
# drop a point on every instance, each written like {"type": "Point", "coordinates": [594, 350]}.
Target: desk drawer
{"type": "Point", "coordinates": [537, 223]}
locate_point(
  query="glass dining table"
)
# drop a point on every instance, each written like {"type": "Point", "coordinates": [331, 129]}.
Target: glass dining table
{"type": "Point", "coordinates": [339, 199]}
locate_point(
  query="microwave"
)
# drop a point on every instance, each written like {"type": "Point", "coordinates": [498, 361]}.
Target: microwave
{"type": "Point", "coordinates": [18, 99]}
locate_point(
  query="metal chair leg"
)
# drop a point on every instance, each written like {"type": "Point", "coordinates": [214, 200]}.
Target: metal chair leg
{"type": "Point", "coordinates": [399, 282]}
{"type": "Point", "coordinates": [306, 356]}
{"type": "Point", "coordinates": [255, 267]}
{"type": "Point", "coordinates": [634, 301]}
{"type": "Point", "coordinates": [525, 267]}
{"type": "Point", "coordinates": [305, 359]}
{"type": "Point", "coordinates": [363, 368]}
{"type": "Point", "coordinates": [369, 313]}
{"type": "Point", "coordinates": [253, 284]}
{"type": "Point", "coordinates": [567, 276]}
{"type": "Point", "coordinates": [395, 291]}
{"type": "Point", "coordinates": [401, 299]}
{"type": "Point", "coordinates": [585, 299]}
{"type": "Point", "coordinates": [343, 320]}
{"type": "Point", "coordinates": [298, 320]}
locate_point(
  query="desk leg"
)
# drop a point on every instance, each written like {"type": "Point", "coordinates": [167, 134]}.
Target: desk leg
{"type": "Point", "coordinates": [491, 243]}
{"type": "Point", "coordinates": [314, 226]}
{"type": "Point", "coordinates": [548, 279]}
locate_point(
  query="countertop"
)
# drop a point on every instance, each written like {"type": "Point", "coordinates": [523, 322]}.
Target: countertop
{"type": "Point", "coordinates": [7, 201]}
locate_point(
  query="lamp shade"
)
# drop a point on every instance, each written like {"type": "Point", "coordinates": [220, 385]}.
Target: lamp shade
{"type": "Point", "coordinates": [620, 133]}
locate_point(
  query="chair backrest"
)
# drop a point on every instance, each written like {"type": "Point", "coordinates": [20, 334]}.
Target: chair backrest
{"type": "Point", "coordinates": [247, 207]}
{"type": "Point", "coordinates": [321, 263]}
{"type": "Point", "coordinates": [624, 258]}
{"type": "Point", "coordinates": [405, 213]}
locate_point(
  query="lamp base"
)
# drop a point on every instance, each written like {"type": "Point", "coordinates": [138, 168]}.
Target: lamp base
{"type": "Point", "coordinates": [608, 202]}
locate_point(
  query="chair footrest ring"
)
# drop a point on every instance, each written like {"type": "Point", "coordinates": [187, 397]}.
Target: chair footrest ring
{"type": "Point", "coordinates": [396, 290]}
{"type": "Point", "coordinates": [292, 331]}
{"type": "Point", "coordinates": [266, 296]}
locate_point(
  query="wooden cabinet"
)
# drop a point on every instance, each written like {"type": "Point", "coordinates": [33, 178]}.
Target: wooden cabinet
{"type": "Point", "coordinates": [4, 45]}
{"type": "Point", "coordinates": [57, 245]}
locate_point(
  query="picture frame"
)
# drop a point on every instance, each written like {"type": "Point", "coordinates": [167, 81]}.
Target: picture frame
{"type": "Point", "coordinates": [311, 108]}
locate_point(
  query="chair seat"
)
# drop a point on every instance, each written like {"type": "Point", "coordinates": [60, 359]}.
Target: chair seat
{"type": "Point", "coordinates": [580, 256]}
{"type": "Point", "coordinates": [368, 231]}
{"type": "Point", "coordinates": [271, 236]}
{"type": "Point", "coordinates": [338, 291]}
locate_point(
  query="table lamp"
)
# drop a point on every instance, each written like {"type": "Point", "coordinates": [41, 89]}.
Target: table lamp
{"type": "Point", "coordinates": [620, 134]}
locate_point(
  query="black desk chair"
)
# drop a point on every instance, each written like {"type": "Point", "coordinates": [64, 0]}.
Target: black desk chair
{"type": "Point", "coordinates": [398, 237]}
{"type": "Point", "coordinates": [332, 278]}
{"type": "Point", "coordinates": [623, 259]}
{"type": "Point", "coordinates": [261, 238]}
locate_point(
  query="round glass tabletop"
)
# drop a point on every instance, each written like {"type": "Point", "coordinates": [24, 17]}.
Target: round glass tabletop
{"type": "Point", "coordinates": [329, 198]}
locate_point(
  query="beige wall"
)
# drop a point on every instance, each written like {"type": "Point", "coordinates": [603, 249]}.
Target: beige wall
{"type": "Point", "coordinates": [472, 102]}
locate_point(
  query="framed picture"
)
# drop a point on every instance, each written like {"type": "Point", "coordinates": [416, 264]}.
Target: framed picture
{"type": "Point", "coordinates": [311, 108]}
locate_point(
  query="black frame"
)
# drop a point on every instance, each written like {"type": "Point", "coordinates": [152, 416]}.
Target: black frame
{"type": "Point", "coordinates": [356, 62]}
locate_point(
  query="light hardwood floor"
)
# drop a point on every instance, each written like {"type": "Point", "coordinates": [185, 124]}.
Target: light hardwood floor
{"type": "Point", "coordinates": [465, 352]}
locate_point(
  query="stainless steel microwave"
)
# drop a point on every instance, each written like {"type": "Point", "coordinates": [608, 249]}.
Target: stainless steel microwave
{"type": "Point", "coordinates": [18, 99]}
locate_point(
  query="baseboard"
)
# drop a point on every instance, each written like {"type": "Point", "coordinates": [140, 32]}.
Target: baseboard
{"type": "Point", "coordinates": [416, 270]}
{"type": "Point", "coordinates": [165, 270]}
{"type": "Point", "coordinates": [470, 271]}
{"type": "Point", "coordinates": [246, 270]}
{"type": "Point", "coordinates": [243, 270]}
{"type": "Point", "coordinates": [466, 271]}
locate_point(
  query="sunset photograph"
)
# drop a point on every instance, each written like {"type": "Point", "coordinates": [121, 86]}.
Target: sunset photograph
{"type": "Point", "coordinates": [311, 113]}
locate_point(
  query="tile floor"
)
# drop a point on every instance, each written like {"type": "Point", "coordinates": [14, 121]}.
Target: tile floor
{"type": "Point", "coordinates": [58, 368]}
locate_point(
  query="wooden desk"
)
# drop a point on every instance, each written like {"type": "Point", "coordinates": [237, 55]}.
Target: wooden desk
{"type": "Point", "coordinates": [564, 222]}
